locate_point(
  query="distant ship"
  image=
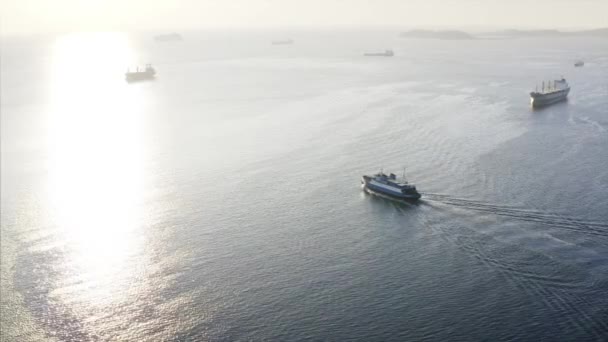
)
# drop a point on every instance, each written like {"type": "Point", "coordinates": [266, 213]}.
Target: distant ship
{"type": "Point", "coordinates": [147, 73]}
{"type": "Point", "coordinates": [388, 185]}
{"type": "Point", "coordinates": [579, 64]}
{"type": "Point", "coordinates": [554, 92]}
{"type": "Point", "coordinates": [282, 42]}
{"type": "Point", "coordinates": [386, 53]}
{"type": "Point", "coordinates": [171, 37]}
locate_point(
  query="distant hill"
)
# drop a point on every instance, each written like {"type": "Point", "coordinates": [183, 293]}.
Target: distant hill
{"type": "Point", "coordinates": [506, 34]}
{"type": "Point", "coordinates": [529, 33]}
{"type": "Point", "coordinates": [602, 32]}
{"type": "Point", "coordinates": [445, 35]}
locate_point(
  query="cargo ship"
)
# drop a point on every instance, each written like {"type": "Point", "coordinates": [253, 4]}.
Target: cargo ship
{"type": "Point", "coordinates": [552, 92]}
{"type": "Point", "coordinates": [147, 73]}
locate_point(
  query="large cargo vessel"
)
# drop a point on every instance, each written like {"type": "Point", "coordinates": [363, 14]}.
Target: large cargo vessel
{"type": "Point", "coordinates": [147, 73]}
{"type": "Point", "coordinates": [551, 93]}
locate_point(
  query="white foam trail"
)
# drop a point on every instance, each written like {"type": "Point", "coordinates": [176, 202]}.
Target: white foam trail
{"type": "Point", "coordinates": [593, 123]}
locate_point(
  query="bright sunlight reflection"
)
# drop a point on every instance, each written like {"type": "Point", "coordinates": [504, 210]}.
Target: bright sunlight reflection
{"type": "Point", "coordinates": [95, 161]}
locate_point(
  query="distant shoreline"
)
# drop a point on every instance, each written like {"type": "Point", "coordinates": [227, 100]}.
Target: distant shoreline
{"type": "Point", "coordinates": [504, 34]}
{"type": "Point", "coordinates": [443, 35]}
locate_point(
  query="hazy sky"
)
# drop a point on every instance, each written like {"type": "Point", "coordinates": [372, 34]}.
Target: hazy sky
{"type": "Point", "coordinates": [76, 15]}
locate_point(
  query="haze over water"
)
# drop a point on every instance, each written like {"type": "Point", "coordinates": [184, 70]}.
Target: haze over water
{"type": "Point", "coordinates": [222, 201]}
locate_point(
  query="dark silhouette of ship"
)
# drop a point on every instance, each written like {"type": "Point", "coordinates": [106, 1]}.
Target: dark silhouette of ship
{"type": "Point", "coordinates": [138, 74]}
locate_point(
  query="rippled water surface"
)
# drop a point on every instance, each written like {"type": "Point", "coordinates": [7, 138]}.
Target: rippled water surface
{"type": "Point", "coordinates": [222, 201]}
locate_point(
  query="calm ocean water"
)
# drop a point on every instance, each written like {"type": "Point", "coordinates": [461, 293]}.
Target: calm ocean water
{"type": "Point", "coordinates": [222, 201]}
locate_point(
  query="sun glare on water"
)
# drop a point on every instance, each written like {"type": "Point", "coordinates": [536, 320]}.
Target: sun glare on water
{"type": "Point", "coordinates": [96, 163]}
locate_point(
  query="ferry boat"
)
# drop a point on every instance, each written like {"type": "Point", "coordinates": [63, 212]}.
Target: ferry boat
{"type": "Point", "coordinates": [147, 73]}
{"type": "Point", "coordinates": [551, 93]}
{"type": "Point", "coordinates": [389, 185]}
{"type": "Point", "coordinates": [386, 53]}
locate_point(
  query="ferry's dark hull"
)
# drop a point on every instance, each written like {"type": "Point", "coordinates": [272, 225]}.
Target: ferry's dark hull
{"type": "Point", "coordinates": [539, 100]}
{"type": "Point", "coordinates": [369, 187]}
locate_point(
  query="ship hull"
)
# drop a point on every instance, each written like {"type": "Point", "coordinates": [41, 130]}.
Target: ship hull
{"type": "Point", "coordinates": [541, 100]}
{"type": "Point", "coordinates": [134, 77]}
{"type": "Point", "coordinates": [371, 186]}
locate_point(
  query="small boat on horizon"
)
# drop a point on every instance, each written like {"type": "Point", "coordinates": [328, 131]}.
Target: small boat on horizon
{"type": "Point", "coordinates": [138, 74]}
{"type": "Point", "coordinates": [386, 53]}
{"type": "Point", "coordinates": [389, 185]}
{"type": "Point", "coordinates": [579, 63]}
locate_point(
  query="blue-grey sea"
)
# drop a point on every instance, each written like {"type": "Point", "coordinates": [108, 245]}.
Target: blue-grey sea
{"type": "Point", "coordinates": [222, 200]}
